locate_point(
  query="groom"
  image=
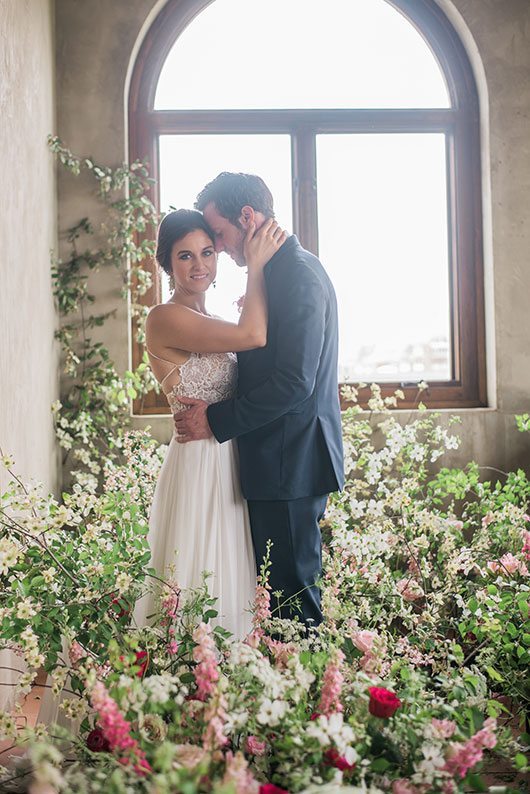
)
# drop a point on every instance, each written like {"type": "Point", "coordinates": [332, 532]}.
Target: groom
{"type": "Point", "coordinates": [286, 414]}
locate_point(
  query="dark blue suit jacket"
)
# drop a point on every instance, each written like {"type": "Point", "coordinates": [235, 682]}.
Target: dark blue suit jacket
{"type": "Point", "coordinates": [286, 415]}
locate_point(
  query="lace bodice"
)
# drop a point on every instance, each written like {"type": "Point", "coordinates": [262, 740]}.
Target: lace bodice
{"type": "Point", "coordinates": [205, 376]}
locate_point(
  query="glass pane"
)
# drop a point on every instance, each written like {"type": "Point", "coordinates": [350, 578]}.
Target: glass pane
{"type": "Point", "coordinates": [189, 162]}
{"type": "Point", "coordinates": [301, 54]}
{"type": "Point", "coordinates": [383, 240]}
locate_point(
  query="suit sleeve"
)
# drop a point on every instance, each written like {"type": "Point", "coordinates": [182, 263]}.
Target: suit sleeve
{"type": "Point", "coordinates": [302, 314]}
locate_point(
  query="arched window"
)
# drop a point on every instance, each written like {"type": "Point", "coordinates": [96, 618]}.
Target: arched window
{"type": "Point", "coordinates": [363, 119]}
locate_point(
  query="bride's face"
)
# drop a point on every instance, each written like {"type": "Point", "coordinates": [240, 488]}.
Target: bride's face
{"type": "Point", "coordinates": [194, 262]}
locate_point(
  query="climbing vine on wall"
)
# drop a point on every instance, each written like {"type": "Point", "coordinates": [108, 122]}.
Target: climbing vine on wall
{"type": "Point", "coordinates": [94, 410]}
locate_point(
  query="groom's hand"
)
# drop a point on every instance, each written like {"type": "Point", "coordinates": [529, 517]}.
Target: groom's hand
{"type": "Point", "coordinates": [192, 425]}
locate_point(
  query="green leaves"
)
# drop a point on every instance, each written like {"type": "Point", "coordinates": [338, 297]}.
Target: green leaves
{"type": "Point", "coordinates": [93, 382]}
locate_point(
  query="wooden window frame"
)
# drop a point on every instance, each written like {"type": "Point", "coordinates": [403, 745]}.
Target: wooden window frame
{"type": "Point", "coordinates": [459, 123]}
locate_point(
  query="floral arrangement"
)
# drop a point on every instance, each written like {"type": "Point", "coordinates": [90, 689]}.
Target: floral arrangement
{"type": "Point", "coordinates": [410, 685]}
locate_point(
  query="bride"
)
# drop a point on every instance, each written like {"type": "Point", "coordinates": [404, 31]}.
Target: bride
{"type": "Point", "coordinates": [199, 519]}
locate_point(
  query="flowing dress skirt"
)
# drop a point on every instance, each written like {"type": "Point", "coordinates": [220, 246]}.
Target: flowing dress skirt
{"type": "Point", "coordinates": [199, 522]}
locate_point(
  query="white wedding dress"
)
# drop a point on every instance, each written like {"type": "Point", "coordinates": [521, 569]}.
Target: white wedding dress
{"type": "Point", "coordinates": [199, 519]}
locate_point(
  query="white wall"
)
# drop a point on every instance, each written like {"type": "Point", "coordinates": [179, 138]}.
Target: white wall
{"type": "Point", "coordinates": [28, 354]}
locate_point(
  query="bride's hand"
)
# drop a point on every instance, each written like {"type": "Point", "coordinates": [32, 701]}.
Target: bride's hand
{"type": "Point", "coordinates": [261, 245]}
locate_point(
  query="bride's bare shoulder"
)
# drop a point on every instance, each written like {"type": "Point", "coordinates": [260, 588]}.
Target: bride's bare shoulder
{"type": "Point", "coordinates": [167, 312]}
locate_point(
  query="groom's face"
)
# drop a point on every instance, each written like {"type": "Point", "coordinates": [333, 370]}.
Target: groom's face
{"type": "Point", "coordinates": [227, 237]}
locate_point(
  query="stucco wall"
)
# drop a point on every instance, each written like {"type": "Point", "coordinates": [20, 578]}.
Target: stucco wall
{"type": "Point", "coordinates": [94, 45]}
{"type": "Point", "coordinates": [28, 354]}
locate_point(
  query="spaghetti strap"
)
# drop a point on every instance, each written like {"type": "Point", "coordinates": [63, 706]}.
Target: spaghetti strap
{"type": "Point", "coordinates": [171, 371]}
{"type": "Point", "coordinates": [160, 358]}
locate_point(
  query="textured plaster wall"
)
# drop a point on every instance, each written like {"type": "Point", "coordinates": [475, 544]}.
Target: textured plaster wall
{"type": "Point", "coordinates": [28, 355]}
{"type": "Point", "coordinates": [94, 45]}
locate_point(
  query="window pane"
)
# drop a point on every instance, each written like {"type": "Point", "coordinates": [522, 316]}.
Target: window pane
{"type": "Point", "coordinates": [189, 162]}
{"type": "Point", "coordinates": [301, 54]}
{"type": "Point", "coordinates": [383, 240]}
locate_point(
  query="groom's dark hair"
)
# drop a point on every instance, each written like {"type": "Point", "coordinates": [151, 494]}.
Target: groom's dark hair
{"type": "Point", "coordinates": [230, 192]}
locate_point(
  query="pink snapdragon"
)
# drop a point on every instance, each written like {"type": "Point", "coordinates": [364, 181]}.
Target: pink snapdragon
{"type": "Point", "coordinates": [332, 681]}
{"type": "Point", "coordinates": [117, 730]}
{"type": "Point", "coordinates": [238, 775]}
{"type": "Point", "coordinates": [262, 606]}
{"type": "Point", "coordinates": [463, 756]}
{"type": "Point", "coordinates": [206, 672]}
{"type": "Point", "coordinates": [170, 601]}
{"type": "Point", "coordinates": [526, 544]}
{"type": "Point", "coordinates": [214, 737]}
{"type": "Point", "coordinates": [508, 564]}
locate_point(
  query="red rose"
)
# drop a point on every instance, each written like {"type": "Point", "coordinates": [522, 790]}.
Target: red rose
{"type": "Point", "coordinates": [383, 702]}
{"type": "Point", "coordinates": [315, 715]}
{"type": "Point", "coordinates": [334, 758]}
{"type": "Point", "coordinates": [121, 606]}
{"type": "Point", "coordinates": [270, 788]}
{"type": "Point", "coordinates": [96, 741]}
{"type": "Point", "coordinates": [142, 660]}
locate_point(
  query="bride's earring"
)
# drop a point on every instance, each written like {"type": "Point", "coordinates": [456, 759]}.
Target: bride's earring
{"type": "Point", "coordinates": [213, 284]}
{"type": "Point", "coordinates": [171, 283]}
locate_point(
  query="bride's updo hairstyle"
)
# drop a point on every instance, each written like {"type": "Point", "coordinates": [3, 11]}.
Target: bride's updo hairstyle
{"type": "Point", "coordinates": [175, 226]}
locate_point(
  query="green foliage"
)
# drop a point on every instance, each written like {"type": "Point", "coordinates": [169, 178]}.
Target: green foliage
{"type": "Point", "coordinates": [94, 408]}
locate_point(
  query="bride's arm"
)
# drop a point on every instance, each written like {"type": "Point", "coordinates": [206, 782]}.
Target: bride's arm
{"type": "Point", "coordinates": [173, 325]}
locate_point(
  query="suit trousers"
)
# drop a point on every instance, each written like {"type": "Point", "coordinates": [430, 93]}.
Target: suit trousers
{"type": "Point", "coordinates": [296, 554]}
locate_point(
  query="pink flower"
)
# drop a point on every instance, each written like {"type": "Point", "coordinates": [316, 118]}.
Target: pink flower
{"type": "Point", "coordinates": [173, 647]}
{"type": "Point", "coordinates": [463, 756]}
{"type": "Point", "coordinates": [206, 672]}
{"type": "Point", "coordinates": [404, 786]}
{"type": "Point", "coordinates": [238, 775]}
{"type": "Point", "coordinates": [270, 788]}
{"type": "Point", "coordinates": [116, 730]}
{"type": "Point", "coordinates": [332, 681]}
{"type": "Point", "coordinates": [443, 729]}
{"type": "Point", "coordinates": [409, 589]}
{"type": "Point", "coordinates": [76, 652]}
{"type": "Point", "coordinates": [364, 640]}
{"type": "Point", "coordinates": [170, 601]}
{"type": "Point", "coordinates": [239, 303]}
{"type": "Point", "coordinates": [262, 606]}
{"type": "Point", "coordinates": [215, 718]}
{"type": "Point", "coordinates": [282, 651]}
{"type": "Point", "coordinates": [254, 638]}
{"type": "Point", "coordinates": [508, 564]}
{"type": "Point", "coordinates": [486, 521]}
{"type": "Point", "coordinates": [526, 544]}
{"type": "Point", "coordinates": [255, 746]}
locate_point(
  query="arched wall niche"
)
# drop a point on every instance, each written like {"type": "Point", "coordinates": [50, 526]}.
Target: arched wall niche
{"type": "Point", "coordinates": [467, 386]}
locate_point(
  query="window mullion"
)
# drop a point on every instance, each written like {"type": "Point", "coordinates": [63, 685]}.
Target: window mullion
{"type": "Point", "coordinates": [305, 209]}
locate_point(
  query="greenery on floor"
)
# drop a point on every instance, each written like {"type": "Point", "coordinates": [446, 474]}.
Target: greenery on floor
{"type": "Point", "coordinates": [416, 682]}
